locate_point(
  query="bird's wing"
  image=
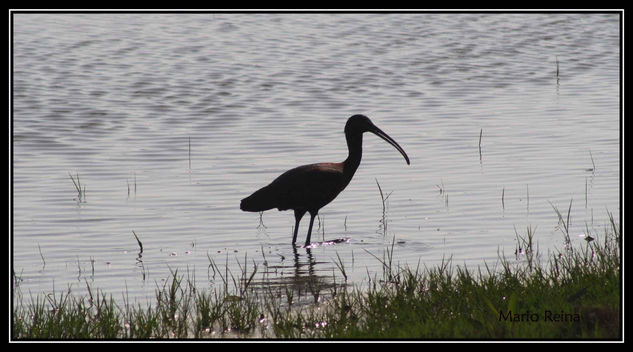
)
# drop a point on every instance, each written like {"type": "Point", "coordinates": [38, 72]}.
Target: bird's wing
{"type": "Point", "coordinates": [309, 187]}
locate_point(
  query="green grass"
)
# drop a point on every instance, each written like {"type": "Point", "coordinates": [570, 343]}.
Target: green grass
{"type": "Point", "coordinates": [574, 294]}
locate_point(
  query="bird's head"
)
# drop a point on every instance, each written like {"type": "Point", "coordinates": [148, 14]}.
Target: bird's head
{"type": "Point", "coordinates": [359, 124]}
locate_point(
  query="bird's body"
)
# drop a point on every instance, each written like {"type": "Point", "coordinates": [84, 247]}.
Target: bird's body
{"type": "Point", "coordinates": [308, 188]}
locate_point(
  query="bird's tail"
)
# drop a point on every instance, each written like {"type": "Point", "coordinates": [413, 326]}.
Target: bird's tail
{"type": "Point", "coordinates": [258, 201]}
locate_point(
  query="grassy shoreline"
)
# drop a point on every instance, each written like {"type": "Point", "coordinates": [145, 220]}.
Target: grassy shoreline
{"type": "Point", "coordinates": [574, 294]}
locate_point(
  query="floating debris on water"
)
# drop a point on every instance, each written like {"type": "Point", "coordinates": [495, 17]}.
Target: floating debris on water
{"type": "Point", "coordinates": [328, 243]}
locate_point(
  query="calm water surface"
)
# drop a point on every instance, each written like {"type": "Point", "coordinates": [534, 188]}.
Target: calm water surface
{"type": "Point", "coordinates": [169, 120]}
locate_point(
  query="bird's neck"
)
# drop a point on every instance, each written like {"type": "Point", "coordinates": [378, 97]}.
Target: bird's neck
{"type": "Point", "coordinates": [355, 148]}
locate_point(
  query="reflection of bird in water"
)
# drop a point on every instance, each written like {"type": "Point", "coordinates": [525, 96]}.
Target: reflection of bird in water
{"type": "Point", "coordinates": [299, 265]}
{"type": "Point", "coordinates": [308, 188]}
{"type": "Point", "coordinates": [299, 277]}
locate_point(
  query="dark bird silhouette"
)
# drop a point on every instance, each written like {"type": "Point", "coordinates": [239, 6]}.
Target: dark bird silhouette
{"type": "Point", "coordinates": [309, 188]}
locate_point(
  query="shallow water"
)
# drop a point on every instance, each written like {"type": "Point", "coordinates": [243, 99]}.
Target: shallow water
{"type": "Point", "coordinates": [169, 120]}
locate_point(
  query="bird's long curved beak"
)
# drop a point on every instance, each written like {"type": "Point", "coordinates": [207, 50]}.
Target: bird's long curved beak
{"type": "Point", "coordinates": [378, 132]}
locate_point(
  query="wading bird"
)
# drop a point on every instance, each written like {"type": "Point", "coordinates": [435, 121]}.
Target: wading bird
{"type": "Point", "coordinates": [309, 188]}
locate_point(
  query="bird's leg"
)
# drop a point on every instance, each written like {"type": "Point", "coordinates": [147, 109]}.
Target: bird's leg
{"type": "Point", "coordinates": [298, 216]}
{"type": "Point", "coordinates": [312, 216]}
